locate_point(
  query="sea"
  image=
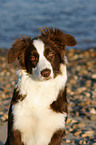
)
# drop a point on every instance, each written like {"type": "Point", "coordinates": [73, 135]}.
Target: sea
{"type": "Point", "coordinates": [26, 17]}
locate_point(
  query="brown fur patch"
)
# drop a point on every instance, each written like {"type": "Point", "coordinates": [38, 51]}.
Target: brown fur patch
{"type": "Point", "coordinates": [17, 50]}
{"type": "Point", "coordinates": [14, 136]}
{"type": "Point", "coordinates": [17, 97]}
{"type": "Point", "coordinates": [58, 37]}
{"type": "Point", "coordinates": [57, 137]}
{"type": "Point", "coordinates": [60, 105]}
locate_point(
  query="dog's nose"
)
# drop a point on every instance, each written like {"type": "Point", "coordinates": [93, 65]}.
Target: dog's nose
{"type": "Point", "coordinates": [46, 73]}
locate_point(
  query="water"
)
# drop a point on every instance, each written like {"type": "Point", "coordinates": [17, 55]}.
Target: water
{"type": "Point", "coordinates": [25, 17]}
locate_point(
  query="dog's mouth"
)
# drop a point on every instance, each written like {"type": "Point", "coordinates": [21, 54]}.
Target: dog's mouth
{"type": "Point", "coordinates": [47, 78]}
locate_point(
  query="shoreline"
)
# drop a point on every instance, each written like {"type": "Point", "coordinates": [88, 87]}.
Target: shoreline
{"type": "Point", "coordinates": [81, 90]}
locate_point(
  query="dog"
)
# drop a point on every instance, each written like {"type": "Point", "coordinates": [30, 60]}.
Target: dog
{"type": "Point", "coordinates": [38, 109]}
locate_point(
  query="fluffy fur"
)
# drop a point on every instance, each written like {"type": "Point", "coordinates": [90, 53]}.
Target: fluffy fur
{"type": "Point", "coordinates": [38, 108]}
{"type": "Point", "coordinates": [40, 122]}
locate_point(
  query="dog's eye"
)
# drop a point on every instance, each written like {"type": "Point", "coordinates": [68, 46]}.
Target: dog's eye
{"type": "Point", "coordinates": [33, 58]}
{"type": "Point", "coordinates": [51, 54]}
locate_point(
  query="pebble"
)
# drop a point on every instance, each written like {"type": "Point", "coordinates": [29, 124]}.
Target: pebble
{"type": "Point", "coordinates": [81, 89]}
{"type": "Point", "coordinates": [93, 111]}
{"type": "Point", "coordinates": [87, 94]}
{"type": "Point", "coordinates": [1, 113]}
{"type": "Point", "coordinates": [6, 116]}
{"type": "Point", "coordinates": [81, 124]}
{"type": "Point", "coordinates": [69, 120]}
{"type": "Point", "coordinates": [94, 144]}
{"type": "Point", "coordinates": [88, 133]}
{"type": "Point", "coordinates": [77, 133]}
{"type": "Point", "coordinates": [68, 141]}
{"type": "Point", "coordinates": [74, 121]}
{"type": "Point", "coordinates": [81, 92]}
{"type": "Point", "coordinates": [93, 117]}
{"type": "Point", "coordinates": [2, 96]}
{"type": "Point", "coordinates": [3, 119]}
{"type": "Point", "coordinates": [81, 142]}
{"type": "Point", "coordinates": [94, 76]}
{"type": "Point", "coordinates": [84, 142]}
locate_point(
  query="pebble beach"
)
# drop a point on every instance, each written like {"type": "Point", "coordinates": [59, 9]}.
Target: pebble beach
{"type": "Point", "coordinates": [81, 95]}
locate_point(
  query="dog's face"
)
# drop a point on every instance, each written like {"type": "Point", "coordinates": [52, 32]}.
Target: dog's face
{"type": "Point", "coordinates": [41, 57]}
{"type": "Point", "coordinates": [42, 60]}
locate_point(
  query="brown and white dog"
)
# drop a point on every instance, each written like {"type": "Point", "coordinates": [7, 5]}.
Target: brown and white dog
{"type": "Point", "coordinates": [39, 107]}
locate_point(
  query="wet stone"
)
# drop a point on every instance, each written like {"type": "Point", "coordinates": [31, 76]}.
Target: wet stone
{"type": "Point", "coordinates": [93, 111]}
{"type": "Point", "coordinates": [93, 117]}
{"type": "Point", "coordinates": [94, 76]}
{"type": "Point", "coordinates": [88, 133]}
{"type": "Point", "coordinates": [94, 144]}
{"type": "Point", "coordinates": [77, 133]}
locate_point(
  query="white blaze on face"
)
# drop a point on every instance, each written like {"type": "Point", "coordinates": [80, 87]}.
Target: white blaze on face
{"type": "Point", "coordinates": [43, 62]}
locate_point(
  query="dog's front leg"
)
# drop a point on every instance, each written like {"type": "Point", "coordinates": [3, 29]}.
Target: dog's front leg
{"type": "Point", "coordinates": [14, 138]}
{"type": "Point", "coordinates": [57, 137]}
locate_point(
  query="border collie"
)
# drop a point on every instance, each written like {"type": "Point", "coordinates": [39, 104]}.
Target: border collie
{"type": "Point", "coordinates": [38, 109]}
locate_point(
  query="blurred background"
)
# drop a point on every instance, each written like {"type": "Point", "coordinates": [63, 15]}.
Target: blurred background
{"type": "Point", "coordinates": [25, 17]}
{"type": "Point", "coordinates": [76, 17]}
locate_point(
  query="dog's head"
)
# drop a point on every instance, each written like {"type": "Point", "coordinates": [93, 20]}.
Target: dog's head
{"type": "Point", "coordinates": [42, 55]}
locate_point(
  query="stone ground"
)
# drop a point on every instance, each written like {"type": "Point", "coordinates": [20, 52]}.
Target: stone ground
{"type": "Point", "coordinates": [81, 89]}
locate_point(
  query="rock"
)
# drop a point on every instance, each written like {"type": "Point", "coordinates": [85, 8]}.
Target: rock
{"type": "Point", "coordinates": [5, 70]}
{"type": "Point", "coordinates": [81, 124]}
{"type": "Point", "coordinates": [88, 133]}
{"type": "Point", "coordinates": [3, 118]}
{"type": "Point", "coordinates": [8, 85]}
{"type": "Point", "coordinates": [93, 117]}
{"type": "Point", "coordinates": [94, 76]}
{"type": "Point", "coordinates": [84, 142]}
{"type": "Point", "coordinates": [7, 73]}
{"type": "Point", "coordinates": [94, 144]}
{"type": "Point", "coordinates": [93, 111]}
{"type": "Point", "coordinates": [69, 120]}
{"type": "Point", "coordinates": [74, 121]}
{"type": "Point", "coordinates": [1, 113]}
{"type": "Point", "coordinates": [87, 94]}
{"type": "Point", "coordinates": [75, 126]}
{"type": "Point", "coordinates": [68, 141]}
{"type": "Point", "coordinates": [81, 89]}
{"type": "Point", "coordinates": [1, 73]}
{"type": "Point", "coordinates": [77, 133]}
{"type": "Point", "coordinates": [6, 116]}
{"type": "Point", "coordinates": [81, 142]}
{"type": "Point", "coordinates": [70, 129]}
{"type": "Point", "coordinates": [3, 95]}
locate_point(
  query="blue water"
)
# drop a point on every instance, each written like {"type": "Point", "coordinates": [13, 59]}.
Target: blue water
{"type": "Point", "coordinates": [24, 17]}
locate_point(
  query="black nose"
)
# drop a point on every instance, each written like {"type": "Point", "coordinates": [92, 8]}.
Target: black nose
{"type": "Point", "coordinates": [46, 73]}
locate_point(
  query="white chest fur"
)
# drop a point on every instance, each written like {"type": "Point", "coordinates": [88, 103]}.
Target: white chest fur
{"type": "Point", "coordinates": [33, 116]}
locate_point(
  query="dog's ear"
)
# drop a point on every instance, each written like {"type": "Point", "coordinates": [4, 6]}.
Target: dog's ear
{"type": "Point", "coordinates": [69, 40]}
{"type": "Point", "coordinates": [17, 50]}
{"type": "Point", "coordinates": [58, 37]}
